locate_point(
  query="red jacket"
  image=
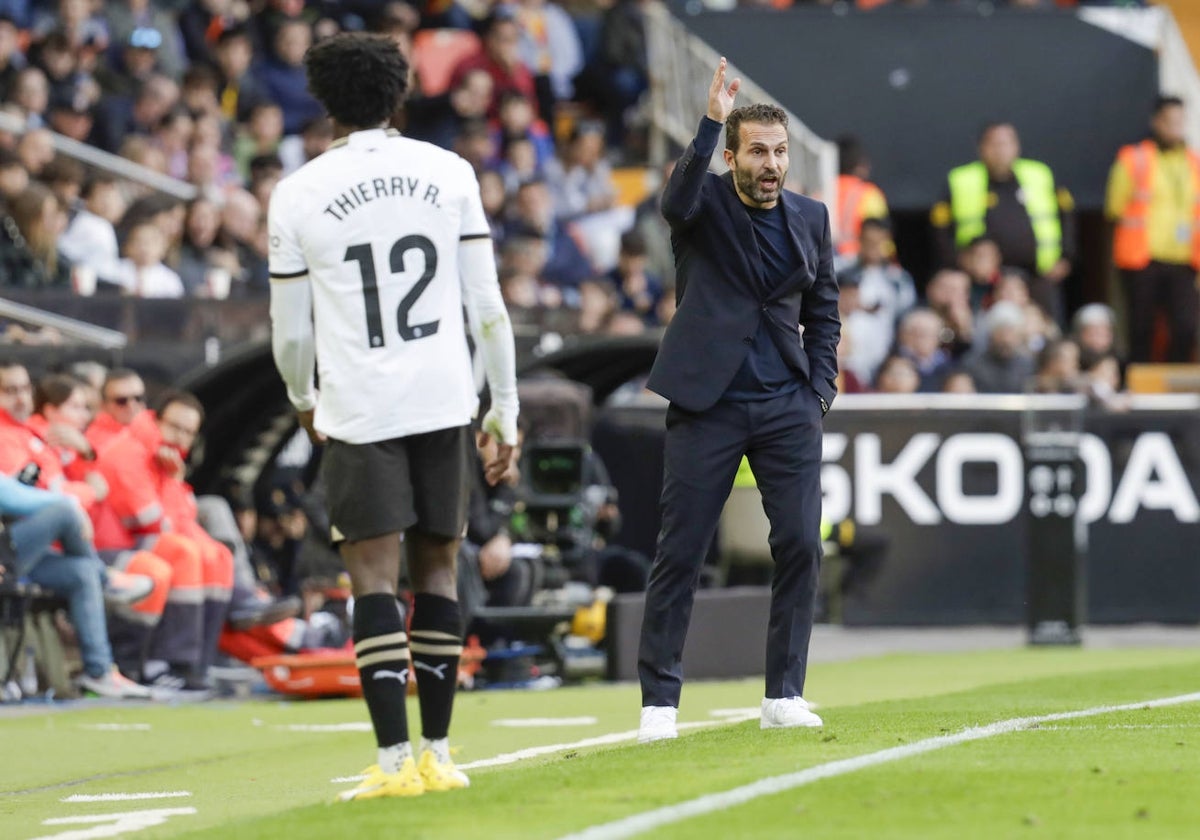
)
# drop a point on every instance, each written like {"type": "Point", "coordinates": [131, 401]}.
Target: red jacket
{"type": "Point", "coordinates": [22, 444]}
{"type": "Point", "coordinates": [102, 431]}
{"type": "Point", "coordinates": [144, 496]}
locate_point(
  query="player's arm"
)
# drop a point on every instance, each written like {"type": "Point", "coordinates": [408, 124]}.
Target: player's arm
{"type": "Point", "coordinates": [293, 343]}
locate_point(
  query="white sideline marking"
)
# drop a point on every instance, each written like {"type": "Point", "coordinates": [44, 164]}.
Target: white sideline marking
{"type": "Point", "coordinates": [745, 713]}
{"type": "Point", "coordinates": [112, 825]}
{"type": "Point", "coordinates": [116, 727]}
{"type": "Point", "coordinates": [597, 741]}
{"type": "Point", "coordinates": [519, 723]}
{"type": "Point", "coordinates": [639, 823]}
{"type": "Point", "coordinates": [1117, 726]}
{"type": "Point", "coordinates": [325, 727]}
{"type": "Point", "coordinates": [124, 797]}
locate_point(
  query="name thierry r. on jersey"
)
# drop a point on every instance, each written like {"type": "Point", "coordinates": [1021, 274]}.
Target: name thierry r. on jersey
{"type": "Point", "coordinates": [363, 193]}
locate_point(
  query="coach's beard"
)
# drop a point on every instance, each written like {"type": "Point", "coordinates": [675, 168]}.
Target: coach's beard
{"type": "Point", "coordinates": [761, 187]}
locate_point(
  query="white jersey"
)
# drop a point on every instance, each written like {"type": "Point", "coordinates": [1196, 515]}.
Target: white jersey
{"type": "Point", "coordinates": [374, 226]}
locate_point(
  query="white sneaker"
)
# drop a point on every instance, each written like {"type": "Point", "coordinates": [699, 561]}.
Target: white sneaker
{"type": "Point", "coordinates": [787, 712]}
{"type": "Point", "coordinates": [114, 684]}
{"type": "Point", "coordinates": [658, 724]}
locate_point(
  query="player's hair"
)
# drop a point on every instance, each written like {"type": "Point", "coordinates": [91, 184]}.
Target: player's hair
{"type": "Point", "coordinates": [361, 79]}
{"type": "Point", "coordinates": [762, 113]}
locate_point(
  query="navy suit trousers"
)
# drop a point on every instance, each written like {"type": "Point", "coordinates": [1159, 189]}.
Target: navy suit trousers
{"type": "Point", "coordinates": [782, 438]}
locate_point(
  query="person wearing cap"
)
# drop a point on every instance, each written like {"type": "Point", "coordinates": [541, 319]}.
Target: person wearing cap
{"type": "Point", "coordinates": [137, 62]}
{"type": "Point", "coordinates": [123, 18]}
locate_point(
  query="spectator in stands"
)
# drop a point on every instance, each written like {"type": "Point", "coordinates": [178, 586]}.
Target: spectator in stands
{"type": "Point", "coordinates": [31, 94]}
{"type": "Point", "coordinates": [243, 227]}
{"type": "Point", "coordinates": [121, 116]}
{"type": "Point", "coordinates": [140, 149]}
{"type": "Point", "coordinates": [494, 197]}
{"type": "Point", "coordinates": [500, 56]}
{"type": "Point", "coordinates": [239, 90]}
{"type": "Point", "coordinates": [857, 198]}
{"type": "Point", "coordinates": [133, 65]}
{"type": "Point", "coordinates": [948, 293]}
{"type": "Point", "coordinates": [1057, 369]}
{"type": "Point", "coordinates": [1004, 365]}
{"type": "Point", "coordinates": [313, 140]}
{"type": "Point", "coordinates": [474, 144]}
{"type": "Point", "coordinates": [1015, 202]}
{"type": "Point", "coordinates": [11, 57]}
{"type": "Point", "coordinates": [203, 22]}
{"type": "Point", "coordinates": [519, 290]}
{"type": "Point", "coordinates": [260, 136]}
{"type": "Point", "coordinates": [886, 291]}
{"type": "Point", "coordinates": [597, 305]}
{"type": "Point", "coordinates": [122, 398]}
{"type": "Point", "coordinates": [582, 182]}
{"type": "Point", "coordinates": [77, 19]}
{"type": "Point", "coordinates": [64, 177]}
{"type": "Point", "coordinates": [71, 114]}
{"type": "Point", "coordinates": [91, 239]}
{"type": "Point", "coordinates": [648, 219]}
{"type": "Point", "coordinates": [44, 518]}
{"type": "Point", "coordinates": [523, 260]}
{"type": "Point", "coordinates": [1012, 286]}
{"type": "Point", "coordinates": [282, 75]}
{"type": "Point", "coordinates": [36, 150]}
{"type": "Point", "coordinates": [265, 172]}
{"type": "Point", "coordinates": [1094, 329]}
{"type": "Point", "coordinates": [54, 56]}
{"type": "Point", "coordinates": [198, 91]}
{"type": "Point", "coordinates": [519, 164]}
{"type": "Point", "coordinates": [202, 251]}
{"type": "Point", "coordinates": [440, 119]}
{"type": "Point", "coordinates": [148, 502]}
{"type": "Point", "coordinates": [981, 260]}
{"type": "Point", "coordinates": [897, 375]}
{"type": "Point", "coordinates": [618, 76]}
{"type": "Point", "coordinates": [173, 136]}
{"type": "Point", "coordinates": [519, 121]}
{"type": "Point", "coordinates": [919, 339]}
{"type": "Point", "coordinates": [551, 49]}
{"type": "Point", "coordinates": [637, 289]}
{"type": "Point", "coordinates": [123, 18]}
{"type": "Point", "coordinates": [1101, 380]}
{"type": "Point", "coordinates": [143, 273]}
{"type": "Point", "coordinates": [533, 214]}
{"type": "Point", "coordinates": [1154, 201]}
{"type": "Point", "coordinates": [29, 255]}
{"type": "Point", "coordinates": [166, 212]}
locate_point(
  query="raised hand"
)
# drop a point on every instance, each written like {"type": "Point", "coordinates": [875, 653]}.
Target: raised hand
{"type": "Point", "coordinates": [720, 97]}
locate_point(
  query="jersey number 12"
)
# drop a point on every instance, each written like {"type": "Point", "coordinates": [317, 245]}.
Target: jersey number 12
{"type": "Point", "coordinates": [364, 255]}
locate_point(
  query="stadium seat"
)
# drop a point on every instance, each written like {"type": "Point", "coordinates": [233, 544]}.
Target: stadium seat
{"type": "Point", "coordinates": [1163, 378]}
{"type": "Point", "coordinates": [436, 52]}
{"type": "Point", "coordinates": [633, 184]}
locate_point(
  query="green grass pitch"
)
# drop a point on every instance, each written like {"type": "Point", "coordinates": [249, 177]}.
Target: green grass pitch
{"type": "Point", "coordinates": [264, 769]}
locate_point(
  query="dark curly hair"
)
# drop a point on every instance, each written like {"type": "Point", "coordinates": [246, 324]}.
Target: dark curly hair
{"type": "Point", "coordinates": [360, 79]}
{"type": "Point", "coordinates": [761, 112]}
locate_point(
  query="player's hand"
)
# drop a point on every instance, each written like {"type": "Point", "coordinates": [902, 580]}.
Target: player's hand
{"type": "Point", "coordinates": [501, 426]}
{"type": "Point", "coordinates": [306, 423]}
{"type": "Point", "coordinates": [720, 97]}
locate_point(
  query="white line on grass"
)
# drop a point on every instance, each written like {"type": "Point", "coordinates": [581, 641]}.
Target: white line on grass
{"type": "Point", "coordinates": [363, 726]}
{"type": "Point", "coordinates": [124, 797]}
{"type": "Point", "coordinates": [116, 727]}
{"type": "Point", "coordinates": [639, 823]}
{"type": "Point", "coordinates": [548, 749]}
{"type": "Point", "coordinates": [520, 723]}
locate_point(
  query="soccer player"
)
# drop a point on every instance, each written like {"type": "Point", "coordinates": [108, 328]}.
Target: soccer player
{"type": "Point", "coordinates": [376, 246]}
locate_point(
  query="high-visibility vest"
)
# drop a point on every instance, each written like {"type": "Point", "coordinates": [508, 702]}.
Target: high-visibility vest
{"type": "Point", "coordinates": [969, 206]}
{"type": "Point", "coordinates": [1131, 240]}
{"type": "Point", "coordinates": [851, 190]}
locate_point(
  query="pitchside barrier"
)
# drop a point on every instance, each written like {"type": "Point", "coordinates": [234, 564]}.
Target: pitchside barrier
{"type": "Point", "coordinates": [946, 480]}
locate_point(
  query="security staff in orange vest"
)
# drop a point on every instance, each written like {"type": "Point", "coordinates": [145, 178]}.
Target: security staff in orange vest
{"type": "Point", "coordinates": [1014, 202]}
{"type": "Point", "coordinates": [857, 198]}
{"type": "Point", "coordinates": [1154, 201]}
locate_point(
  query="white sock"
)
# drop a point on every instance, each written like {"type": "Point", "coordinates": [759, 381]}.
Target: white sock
{"type": "Point", "coordinates": [390, 758]}
{"type": "Point", "coordinates": [440, 748]}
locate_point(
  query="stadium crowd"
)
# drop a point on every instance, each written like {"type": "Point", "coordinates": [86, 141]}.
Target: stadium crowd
{"type": "Point", "coordinates": [544, 102]}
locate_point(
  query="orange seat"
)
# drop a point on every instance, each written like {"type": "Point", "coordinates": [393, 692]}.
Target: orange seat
{"type": "Point", "coordinates": [436, 52]}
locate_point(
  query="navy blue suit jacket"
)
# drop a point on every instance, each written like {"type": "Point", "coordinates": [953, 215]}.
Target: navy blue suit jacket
{"type": "Point", "coordinates": [722, 294]}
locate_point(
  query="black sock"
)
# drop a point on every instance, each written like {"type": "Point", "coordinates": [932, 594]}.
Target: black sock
{"type": "Point", "coordinates": [381, 651]}
{"type": "Point", "coordinates": [436, 647]}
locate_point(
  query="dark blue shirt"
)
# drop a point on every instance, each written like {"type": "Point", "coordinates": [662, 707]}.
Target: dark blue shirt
{"type": "Point", "coordinates": [764, 374]}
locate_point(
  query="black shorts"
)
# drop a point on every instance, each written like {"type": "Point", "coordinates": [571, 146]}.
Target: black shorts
{"type": "Point", "coordinates": [386, 487]}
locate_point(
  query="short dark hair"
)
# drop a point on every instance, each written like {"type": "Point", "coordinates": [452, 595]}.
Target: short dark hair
{"type": "Point", "coordinates": [55, 390]}
{"type": "Point", "coordinates": [850, 153]}
{"type": "Point", "coordinates": [117, 375]}
{"type": "Point", "coordinates": [1162, 103]}
{"type": "Point", "coordinates": [875, 223]}
{"type": "Point", "coordinates": [361, 79]}
{"type": "Point", "coordinates": [185, 398]}
{"type": "Point", "coordinates": [761, 112]}
{"type": "Point", "coordinates": [633, 243]}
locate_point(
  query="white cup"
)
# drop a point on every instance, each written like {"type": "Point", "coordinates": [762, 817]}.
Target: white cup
{"type": "Point", "coordinates": [219, 280]}
{"type": "Point", "coordinates": [83, 280]}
